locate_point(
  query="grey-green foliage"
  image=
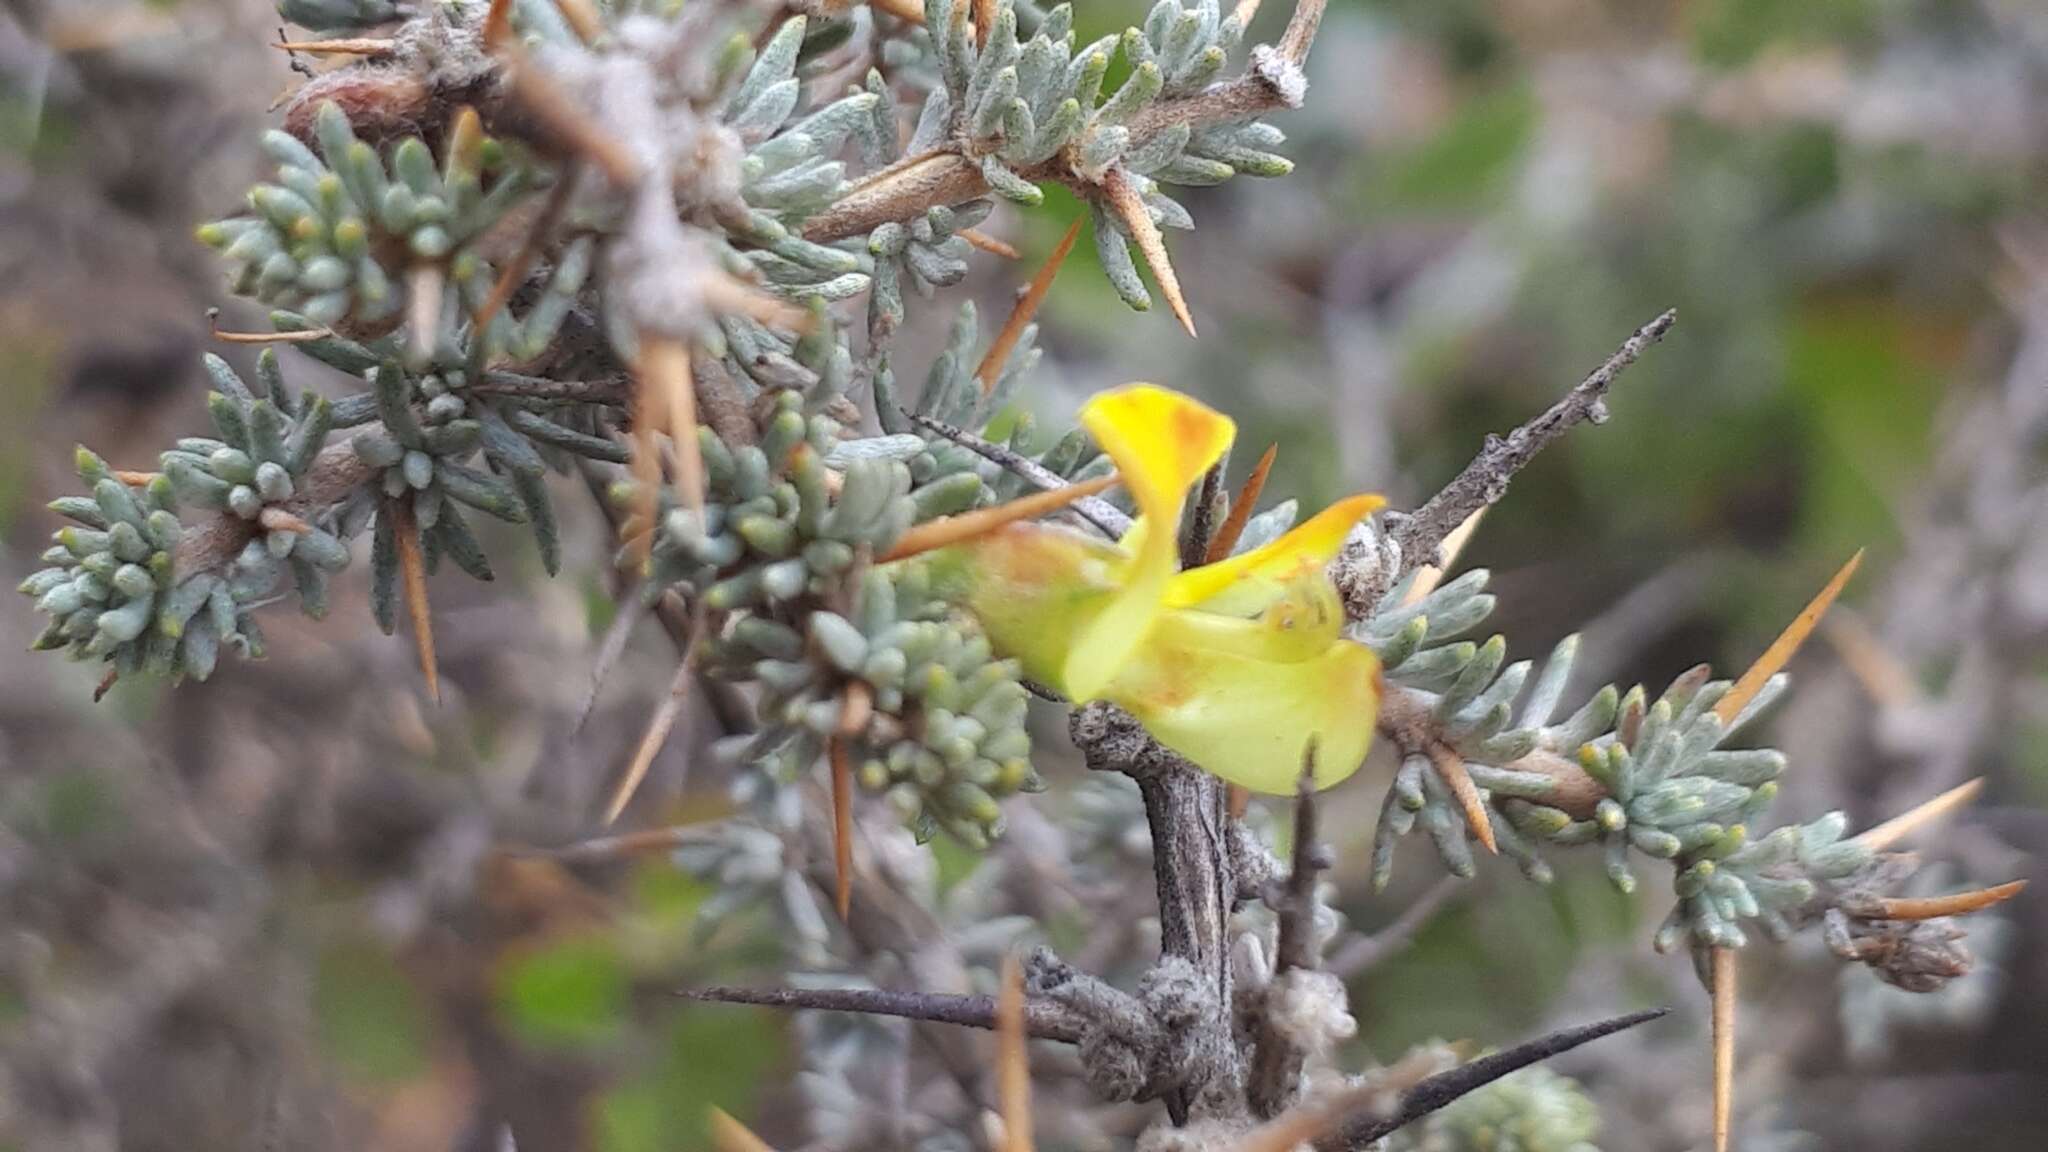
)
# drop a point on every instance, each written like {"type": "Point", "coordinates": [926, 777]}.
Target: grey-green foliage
{"type": "Point", "coordinates": [112, 592]}
{"type": "Point", "coordinates": [431, 428]}
{"type": "Point", "coordinates": [265, 443]}
{"type": "Point", "coordinates": [837, 646]}
{"type": "Point", "coordinates": [1639, 779]}
{"type": "Point", "coordinates": [1030, 109]}
{"type": "Point", "coordinates": [791, 171]}
{"type": "Point", "coordinates": [336, 235]}
{"type": "Point", "coordinates": [767, 360]}
{"type": "Point", "coordinates": [953, 397]}
{"type": "Point", "coordinates": [926, 253]}
{"type": "Point", "coordinates": [1534, 1110]}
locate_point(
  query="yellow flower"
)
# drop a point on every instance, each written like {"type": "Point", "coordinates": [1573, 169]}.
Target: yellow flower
{"type": "Point", "coordinates": [1236, 665]}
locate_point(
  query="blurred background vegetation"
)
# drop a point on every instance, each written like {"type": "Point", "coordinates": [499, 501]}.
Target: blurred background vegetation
{"type": "Point", "coordinates": [276, 908]}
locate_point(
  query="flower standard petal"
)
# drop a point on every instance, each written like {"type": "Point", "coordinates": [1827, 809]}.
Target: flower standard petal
{"type": "Point", "coordinates": [1161, 443]}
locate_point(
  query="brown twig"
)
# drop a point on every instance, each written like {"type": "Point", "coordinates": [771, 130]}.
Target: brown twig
{"type": "Point", "coordinates": [529, 247]}
{"type": "Point", "coordinates": [275, 519]}
{"type": "Point", "coordinates": [356, 46]}
{"type": "Point", "coordinates": [413, 572]}
{"type": "Point", "coordinates": [1955, 904]}
{"type": "Point", "coordinates": [1906, 823]}
{"type": "Point", "coordinates": [1780, 652]}
{"type": "Point", "coordinates": [729, 1135]}
{"type": "Point", "coordinates": [651, 741]}
{"type": "Point", "coordinates": [1044, 1019]}
{"type": "Point", "coordinates": [1450, 768]}
{"type": "Point", "coordinates": [945, 530]}
{"type": "Point", "coordinates": [1129, 206]}
{"type": "Point", "coordinates": [841, 762]}
{"type": "Point", "coordinates": [582, 19]}
{"type": "Point", "coordinates": [1241, 505]}
{"type": "Point", "coordinates": [1026, 307]}
{"type": "Point", "coordinates": [1013, 1062]}
{"type": "Point", "coordinates": [989, 244]}
{"type": "Point", "coordinates": [1431, 574]}
{"type": "Point", "coordinates": [1724, 1044]}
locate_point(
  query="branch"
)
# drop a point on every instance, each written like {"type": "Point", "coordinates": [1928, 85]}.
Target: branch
{"type": "Point", "coordinates": [614, 390]}
{"type": "Point", "coordinates": [1196, 883]}
{"type": "Point", "coordinates": [1044, 1021]}
{"type": "Point", "coordinates": [1278, 1053]}
{"type": "Point", "coordinates": [1273, 83]}
{"type": "Point", "coordinates": [1445, 1087]}
{"type": "Point", "coordinates": [1296, 944]}
{"type": "Point", "coordinates": [899, 192]}
{"type": "Point", "coordinates": [335, 473]}
{"type": "Point", "coordinates": [916, 184]}
{"type": "Point", "coordinates": [1485, 480]}
{"type": "Point", "coordinates": [1407, 722]}
{"type": "Point", "coordinates": [1094, 509]}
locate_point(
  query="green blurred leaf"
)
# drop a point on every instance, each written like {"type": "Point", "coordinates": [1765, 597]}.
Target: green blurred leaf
{"type": "Point", "coordinates": [1870, 405]}
{"type": "Point", "coordinates": [371, 1020]}
{"type": "Point", "coordinates": [1730, 33]}
{"type": "Point", "coordinates": [1464, 166]}
{"type": "Point", "coordinates": [76, 804]}
{"type": "Point", "coordinates": [565, 994]}
{"type": "Point", "coordinates": [712, 1057]}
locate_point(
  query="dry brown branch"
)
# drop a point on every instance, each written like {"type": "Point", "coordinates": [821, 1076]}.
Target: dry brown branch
{"type": "Point", "coordinates": [658, 727]}
{"type": "Point", "coordinates": [989, 244]}
{"type": "Point", "coordinates": [1013, 1062]}
{"type": "Point", "coordinates": [1026, 307]}
{"type": "Point", "coordinates": [1724, 1044]}
{"type": "Point", "coordinates": [841, 761]}
{"type": "Point", "coordinates": [413, 573]}
{"type": "Point", "coordinates": [1955, 904]}
{"type": "Point", "coordinates": [1780, 652]}
{"type": "Point", "coordinates": [946, 530]}
{"type": "Point", "coordinates": [1913, 819]}
{"type": "Point", "coordinates": [356, 46]}
{"type": "Point", "coordinates": [1130, 208]}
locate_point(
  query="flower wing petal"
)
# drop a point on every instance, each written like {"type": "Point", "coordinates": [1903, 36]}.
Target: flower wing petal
{"type": "Point", "coordinates": [1248, 583]}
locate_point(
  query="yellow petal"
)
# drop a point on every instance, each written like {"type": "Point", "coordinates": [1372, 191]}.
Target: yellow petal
{"type": "Point", "coordinates": [1161, 443]}
{"type": "Point", "coordinates": [1247, 719]}
{"type": "Point", "coordinates": [1306, 617]}
{"type": "Point", "coordinates": [1035, 589]}
{"type": "Point", "coordinates": [1246, 584]}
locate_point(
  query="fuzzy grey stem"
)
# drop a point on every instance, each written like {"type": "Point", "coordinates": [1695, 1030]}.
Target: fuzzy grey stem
{"type": "Point", "coordinates": [1276, 1057]}
{"type": "Point", "coordinates": [1296, 947]}
{"type": "Point", "coordinates": [1445, 1087]}
{"type": "Point", "coordinates": [1044, 1021]}
{"type": "Point", "coordinates": [1094, 509]}
{"type": "Point", "coordinates": [1192, 866]}
{"type": "Point", "coordinates": [1485, 480]}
